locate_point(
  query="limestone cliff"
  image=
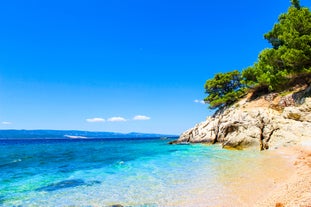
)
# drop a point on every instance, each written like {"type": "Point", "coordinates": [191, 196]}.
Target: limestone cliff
{"type": "Point", "coordinates": [272, 120]}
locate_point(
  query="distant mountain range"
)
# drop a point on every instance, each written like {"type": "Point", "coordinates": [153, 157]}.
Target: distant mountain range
{"type": "Point", "coordinates": [71, 134]}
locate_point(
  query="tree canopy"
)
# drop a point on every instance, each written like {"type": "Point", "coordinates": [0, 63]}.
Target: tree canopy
{"type": "Point", "coordinates": [290, 53]}
{"type": "Point", "coordinates": [223, 89]}
{"type": "Point", "coordinates": [289, 57]}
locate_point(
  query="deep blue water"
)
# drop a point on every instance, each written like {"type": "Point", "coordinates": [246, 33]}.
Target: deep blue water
{"type": "Point", "coordinates": [104, 172]}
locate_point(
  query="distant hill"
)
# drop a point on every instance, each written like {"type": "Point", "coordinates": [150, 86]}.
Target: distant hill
{"type": "Point", "coordinates": [71, 134]}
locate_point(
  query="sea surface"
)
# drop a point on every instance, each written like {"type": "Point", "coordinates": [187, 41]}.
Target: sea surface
{"type": "Point", "coordinates": [128, 172]}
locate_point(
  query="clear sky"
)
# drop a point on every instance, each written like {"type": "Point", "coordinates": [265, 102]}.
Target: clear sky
{"type": "Point", "coordinates": [122, 65]}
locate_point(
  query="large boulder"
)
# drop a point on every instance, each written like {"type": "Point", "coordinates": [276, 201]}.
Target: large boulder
{"type": "Point", "coordinates": [243, 126]}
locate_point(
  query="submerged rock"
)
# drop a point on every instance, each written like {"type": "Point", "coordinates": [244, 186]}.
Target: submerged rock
{"type": "Point", "coordinates": [255, 124]}
{"type": "Point", "coordinates": [62, 184]}
{"type": "Point", "coordinates": [67, 184]}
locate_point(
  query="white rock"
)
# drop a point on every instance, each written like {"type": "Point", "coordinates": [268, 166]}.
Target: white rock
{"type": "Point", "coordinates": [260, 127]}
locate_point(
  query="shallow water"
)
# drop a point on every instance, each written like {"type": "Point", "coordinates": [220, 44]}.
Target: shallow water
{"type": "Point", "coordinates": [130, 172]}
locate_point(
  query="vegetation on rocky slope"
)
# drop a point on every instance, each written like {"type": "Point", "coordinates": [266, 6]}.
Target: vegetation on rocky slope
{"type": "Point", "coordinates": [286, 64]}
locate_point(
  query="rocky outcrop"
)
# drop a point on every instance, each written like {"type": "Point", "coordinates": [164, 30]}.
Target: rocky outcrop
{"type": "Point", "coordinates": [261, 123]}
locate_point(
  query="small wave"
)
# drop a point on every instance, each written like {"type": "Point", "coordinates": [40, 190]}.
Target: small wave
{"type": "Point", "coordinates": [17, 160]}
{"type": "Point", "coordinates": [10, 163]}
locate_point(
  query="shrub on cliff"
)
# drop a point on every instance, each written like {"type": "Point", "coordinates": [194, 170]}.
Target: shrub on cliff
{"type": "Point", "coordinates": [224, 89]}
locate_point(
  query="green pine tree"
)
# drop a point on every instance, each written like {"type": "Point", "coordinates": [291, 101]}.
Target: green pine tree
{"type": "Point", "coordinates": [224, 89]}
{"type": "Point", "coordinates": [291, 52]}
{"type": "Point", "coordinates": [288, 59]}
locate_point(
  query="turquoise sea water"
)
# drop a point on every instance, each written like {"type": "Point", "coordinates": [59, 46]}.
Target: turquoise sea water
{"type": "Point", "coordinates": [130, 172]}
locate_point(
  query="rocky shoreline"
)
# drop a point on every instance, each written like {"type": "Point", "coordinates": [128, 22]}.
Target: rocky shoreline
{"type": "Point", "coordinates": [273, 121]}
{"type": "Point", "coordinates": [269, 121]}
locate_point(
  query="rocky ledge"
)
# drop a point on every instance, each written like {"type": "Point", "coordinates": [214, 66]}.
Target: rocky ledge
{"type": "Point", "coordinates": [269, 121]}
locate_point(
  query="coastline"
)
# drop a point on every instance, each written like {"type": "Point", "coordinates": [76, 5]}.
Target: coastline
{"type": "Point", "coordinates": [296, 189]}
{"type": "Point", "coordinates": [282, 179]}
{"type": "Point", "coordinates": [194, 175]}
{"type": "Point", "coordinates": [279, 126]}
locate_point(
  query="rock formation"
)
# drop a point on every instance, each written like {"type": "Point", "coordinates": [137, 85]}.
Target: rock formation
{"type": "Point", "coordinates": [269, 121]}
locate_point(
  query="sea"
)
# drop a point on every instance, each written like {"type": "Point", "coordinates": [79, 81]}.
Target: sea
{"type": "Point", "coordinates": [141, 172]}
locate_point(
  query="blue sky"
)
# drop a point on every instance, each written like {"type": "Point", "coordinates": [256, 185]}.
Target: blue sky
{"type": "Point", "coordinates": [122, 65]}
